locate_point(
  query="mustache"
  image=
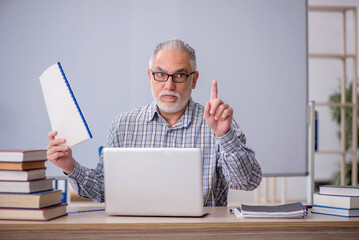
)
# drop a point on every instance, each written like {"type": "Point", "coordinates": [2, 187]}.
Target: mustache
{"type": "Point", "coordinates": [169, 93]}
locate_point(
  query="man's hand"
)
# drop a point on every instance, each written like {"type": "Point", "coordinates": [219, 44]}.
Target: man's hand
{"type": "Point", "coordinates": [218, 114]}
{"type": "Point", "coordinates": [61, 156]}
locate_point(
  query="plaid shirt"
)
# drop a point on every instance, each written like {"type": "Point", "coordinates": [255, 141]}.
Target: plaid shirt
{"type": "Point", "coordinates": [227, 162]}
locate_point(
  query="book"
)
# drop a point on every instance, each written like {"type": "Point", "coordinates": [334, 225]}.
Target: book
{"type": "Point", "coordinates": [46, 213]}
{"type": "Point", "coordinates": [22, 165]}
{"type": "Point", "coordinates": [336, 201]}
{"type": "Point", "coordinates": [18, 175]}
{"type": "Point", "coordinates": [341, 212]}
{"type": "Point", "coordinates": [22, 155]}
{"type": "Point", "coordinates": [30, 200]}
{"type": "Point", "coordinates": [289, 210]}
{"type": "Point", "coordinates": [339, 190]}
{"type": "Point", "coordinates": [62, 107]}
{"type": "Point", "coordinates": [26, 186]}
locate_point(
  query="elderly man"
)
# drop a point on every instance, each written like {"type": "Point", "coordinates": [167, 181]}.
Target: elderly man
{"type": "Point", "coordinates": [173, 120]}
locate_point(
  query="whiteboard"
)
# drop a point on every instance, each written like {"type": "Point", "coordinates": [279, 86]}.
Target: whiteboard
{"type": "Point", "coordinates": [256, 50]}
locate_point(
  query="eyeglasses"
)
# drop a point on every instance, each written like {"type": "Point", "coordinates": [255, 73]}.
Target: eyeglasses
{"type": "Point", "coordinates": [177, 77]}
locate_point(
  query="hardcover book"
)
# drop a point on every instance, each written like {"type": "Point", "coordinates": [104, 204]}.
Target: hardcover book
{"type": "Point", "coordinates": [341, 212]}
{"type": "Point", "coordinates": [46, 213]}
{"type": "Point", "coordinates": [22, 165]}
{"type": "Point", "coordinates": [22, 155]}
{"type": "Point", "coordinates": [339, 190]}
{"type": "Point", "coordinates": [336, 201]}
{"type": "Point", "coordinates": [26, 186]}
{"type": "Point", "coordinates": [30, 200]}
{"type": "Point", "coordinates": [22, 175]}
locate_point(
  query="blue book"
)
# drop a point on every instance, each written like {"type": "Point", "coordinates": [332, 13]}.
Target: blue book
{"type": "Point", "coordinates": [62, 107]}
{"type": "Point", "coordinates": [333, 211]}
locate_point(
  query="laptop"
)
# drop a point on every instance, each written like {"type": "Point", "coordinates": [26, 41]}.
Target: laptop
{"type": "Point", "coordinates": [153, 181]}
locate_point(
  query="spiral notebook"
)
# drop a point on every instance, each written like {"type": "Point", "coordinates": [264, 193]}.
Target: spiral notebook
{"type": "Point", "coordinates": [64, 112]}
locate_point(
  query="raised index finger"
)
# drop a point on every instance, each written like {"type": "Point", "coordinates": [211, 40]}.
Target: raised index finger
{"type": "Point", "coordinates": [214, 90]}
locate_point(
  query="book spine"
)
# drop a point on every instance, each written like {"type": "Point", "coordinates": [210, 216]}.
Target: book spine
{"type": "Point", "coordinates": [74, 99]}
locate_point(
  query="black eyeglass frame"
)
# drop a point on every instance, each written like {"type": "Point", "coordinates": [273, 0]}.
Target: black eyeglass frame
{"type": "Point", "coordinates": [171, 75]}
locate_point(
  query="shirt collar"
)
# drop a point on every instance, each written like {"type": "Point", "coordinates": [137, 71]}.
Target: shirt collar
{"type": "Point", "coordinates": [185, 119]}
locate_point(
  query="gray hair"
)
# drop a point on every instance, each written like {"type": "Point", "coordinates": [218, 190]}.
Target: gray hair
{"type": "Point", "coordinates": [178, 45]}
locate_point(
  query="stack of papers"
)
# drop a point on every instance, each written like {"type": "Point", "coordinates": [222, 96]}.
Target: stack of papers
{"type": "Point", "coordinates": [290, 210]}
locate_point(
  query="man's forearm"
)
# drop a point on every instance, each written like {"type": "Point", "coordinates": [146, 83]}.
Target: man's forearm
{"type": "Point", "coordinates": [87, 182]}
{"type": "Point", "coordinates": [239, 165]}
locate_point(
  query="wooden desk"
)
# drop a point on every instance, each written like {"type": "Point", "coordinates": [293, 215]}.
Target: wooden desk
{"type": "Point", "coordinates": [219, 224]}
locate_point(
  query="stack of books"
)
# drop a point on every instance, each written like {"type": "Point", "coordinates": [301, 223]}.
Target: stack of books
{"type": "Point", "coordinates": [337, 200]}
{"type": "Point", "coordinates": [25, 192]}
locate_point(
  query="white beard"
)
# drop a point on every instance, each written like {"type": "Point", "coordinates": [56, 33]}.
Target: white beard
{"type": "Point", "coordinates": [175, 107]}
